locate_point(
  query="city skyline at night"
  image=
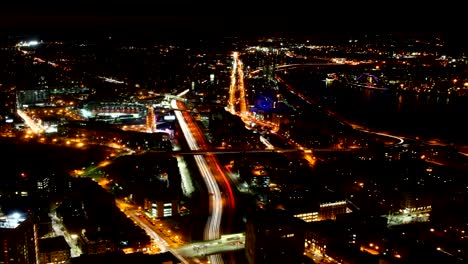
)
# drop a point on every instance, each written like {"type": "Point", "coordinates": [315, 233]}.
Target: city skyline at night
{"type": "Point", "coordinates": [155, 134]}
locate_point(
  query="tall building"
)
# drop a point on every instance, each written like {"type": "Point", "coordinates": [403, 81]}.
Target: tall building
{"type": "Point", "coordinates": [18, 238]}
{"type": "Point", "coordinates": [274, 236]}
{"type": "Point", "coordinates": [151, 120]}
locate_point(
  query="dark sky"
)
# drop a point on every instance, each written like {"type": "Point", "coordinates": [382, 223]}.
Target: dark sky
{"type": "Point", "coordinates": [188, 17]}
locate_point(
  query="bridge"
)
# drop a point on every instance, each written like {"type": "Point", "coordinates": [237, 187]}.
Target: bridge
{"type": "Point", "coordinates": [243, 151]}
{"type": "Point", "coordinates": [227, 242]}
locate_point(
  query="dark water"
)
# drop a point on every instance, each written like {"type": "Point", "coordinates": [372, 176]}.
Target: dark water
{"type": "Point", "coordinates": [427, 116]}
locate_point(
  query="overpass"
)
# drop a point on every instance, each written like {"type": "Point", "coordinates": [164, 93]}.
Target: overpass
{"type": "Point", "coordinates": [226, 243]}
{"type": "Point", "coordinates": [243, 151]}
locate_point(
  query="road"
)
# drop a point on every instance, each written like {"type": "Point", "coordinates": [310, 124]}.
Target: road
{"type": "Point", "coordinates": [210, 171]}
{"type": "Point", "coordinates": [187, 253]}
{"type": "Point", "coordinates": [59, 230]}
{"type": "Point", "coordinates": [161, 241]}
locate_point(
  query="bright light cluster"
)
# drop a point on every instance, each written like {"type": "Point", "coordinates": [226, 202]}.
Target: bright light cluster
{"type": "Point", "coordinates": [11, 221]}
{"type": "Point", "coordinates": [28, 43]}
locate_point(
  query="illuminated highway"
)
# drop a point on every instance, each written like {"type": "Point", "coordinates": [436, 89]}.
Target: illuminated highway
{"type": "Point", "coordinates": [212, 228]}
{"type": "Point", "coordinates": [237, 85]}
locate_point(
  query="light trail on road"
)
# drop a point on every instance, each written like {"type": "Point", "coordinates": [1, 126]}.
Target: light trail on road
{"type": "Point", "coordinates": [400, 139]}
{"type": "Point", "coordinates": [212, 228]}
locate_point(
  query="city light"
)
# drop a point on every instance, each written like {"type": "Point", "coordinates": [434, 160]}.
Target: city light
{"type": "Point", "coordinates": [191, 145]}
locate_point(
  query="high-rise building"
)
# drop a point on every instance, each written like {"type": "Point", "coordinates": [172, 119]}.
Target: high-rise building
{"type": "Point", "coordinates": [151, 120]}
{"type": "Point", "coordinates": [274, 236]}
{"type": "Point", "coordinates": [18, 238]}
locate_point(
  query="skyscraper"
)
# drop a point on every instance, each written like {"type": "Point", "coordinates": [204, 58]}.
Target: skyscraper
{"type": "Point", "coordinates": [151, 120]}
{"type": "Point", "coordinates": [18, 238]}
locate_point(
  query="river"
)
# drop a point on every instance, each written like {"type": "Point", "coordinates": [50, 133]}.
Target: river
{"type": "Point", "coordinates": [432, 117]}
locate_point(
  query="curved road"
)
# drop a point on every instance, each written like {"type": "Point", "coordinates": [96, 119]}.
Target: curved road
{"type": "Point", "coordinates": [210, 171]}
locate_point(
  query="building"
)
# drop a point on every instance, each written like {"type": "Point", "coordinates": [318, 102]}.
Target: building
{"type": "Point", "coordinates": [96, 243]}
{"type": "Point", "coordinates": [151, 120]}
{"type": "Point", "coordinates": [33, 97]}
{"type": "Point", "coordinates": [327, 206]}
{"type": "Point", "coordinates": [18, 237]}
{"type": "Point", "coordinates": [158, 208]}
{"type": "Point", "coordinates": [260, 177]}
{"type": "Point", "coordinates": [274, 236]}
{"type": "Point", "coordinates": [54, 250]}
{"type": "Point", "coordinates": [330, 210]}
{"type": "Point", "coordinates": [340, 242]}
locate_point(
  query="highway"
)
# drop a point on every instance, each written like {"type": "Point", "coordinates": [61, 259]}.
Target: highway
{"type": "Point", "coordinates": [196, 142]}
{"type": "Point", "coordinates": [186, 253]}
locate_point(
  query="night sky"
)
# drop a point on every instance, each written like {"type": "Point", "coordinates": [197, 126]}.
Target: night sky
{"type": "Point", "coordinates": [193, 18]}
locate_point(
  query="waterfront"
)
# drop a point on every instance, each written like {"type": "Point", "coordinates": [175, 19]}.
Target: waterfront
{"type": "Point", "coordinates": [429, 116]}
